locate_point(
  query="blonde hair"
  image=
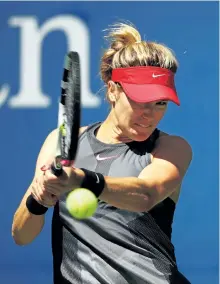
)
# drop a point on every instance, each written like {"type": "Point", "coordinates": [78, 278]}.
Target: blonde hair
{"type": "Point", "coordinates": [127, 49]}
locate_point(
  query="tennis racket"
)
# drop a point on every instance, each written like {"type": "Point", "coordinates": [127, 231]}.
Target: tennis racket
{"type": "Point", "coordinates": [69, 114]}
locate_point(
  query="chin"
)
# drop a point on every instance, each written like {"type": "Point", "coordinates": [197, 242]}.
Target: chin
{"type": "Point", "coordinates": [140, 137]}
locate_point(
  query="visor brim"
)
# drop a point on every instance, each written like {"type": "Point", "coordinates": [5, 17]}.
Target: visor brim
{"type": "Point", "coordinates": [149, 93]}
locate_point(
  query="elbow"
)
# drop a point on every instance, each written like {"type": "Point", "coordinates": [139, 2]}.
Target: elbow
{"type": "Point", "coordinates": [147, 206]}
{"type": "Point", "coordinates": [18, 241]}
{"type": "Point", "coordinates": [145, 203]}
{"type": "Point", "coordinates": [15, 234]}
{"type": "Point", "coordinates": [16, 238]}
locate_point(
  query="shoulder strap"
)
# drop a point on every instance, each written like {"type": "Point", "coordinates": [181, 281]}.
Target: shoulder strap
{"type": "Point", "coordinates": [151, 141]}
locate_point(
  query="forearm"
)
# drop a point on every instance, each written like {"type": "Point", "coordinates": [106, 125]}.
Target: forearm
{"type": "Point", "coordinates": [26, 226]}
{"type": "Point", "coordinates": [129, 193]}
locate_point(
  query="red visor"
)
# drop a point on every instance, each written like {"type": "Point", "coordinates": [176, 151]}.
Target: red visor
{"type": "Point", "coordinates": [144, 84]}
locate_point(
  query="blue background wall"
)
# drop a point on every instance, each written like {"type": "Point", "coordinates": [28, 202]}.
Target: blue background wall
{"type": "Point", "coordinates": [191, 30]}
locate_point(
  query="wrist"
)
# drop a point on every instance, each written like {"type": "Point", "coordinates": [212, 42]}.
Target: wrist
{"type": "Point", "coordinates": [77, 177]}
{"type": "Point", "coordinates": [34, 207]}
{"type": "Point", "coordinates": [93, 181]}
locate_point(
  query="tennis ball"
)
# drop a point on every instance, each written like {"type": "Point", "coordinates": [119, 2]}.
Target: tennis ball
{"type": "Point", "coordinates": [81, 203]}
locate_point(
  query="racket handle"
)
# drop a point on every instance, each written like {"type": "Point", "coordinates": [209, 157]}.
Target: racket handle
{"type": "Point", "coordinates": [57, 171]}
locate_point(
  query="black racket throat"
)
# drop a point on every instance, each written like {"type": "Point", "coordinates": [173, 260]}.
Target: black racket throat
{"type": "Point", "coordinates": [57, 169]}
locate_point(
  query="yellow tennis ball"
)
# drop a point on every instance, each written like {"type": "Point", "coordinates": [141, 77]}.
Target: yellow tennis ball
{"type": "Point", "coordinates": [81, 203]}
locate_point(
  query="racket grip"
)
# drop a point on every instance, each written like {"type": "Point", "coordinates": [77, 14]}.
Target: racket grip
{"type": "Point", "coordinates": [57, 171]}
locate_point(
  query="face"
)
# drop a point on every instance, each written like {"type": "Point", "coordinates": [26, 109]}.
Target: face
{"type": "Point", "coordinates": [135, 120]}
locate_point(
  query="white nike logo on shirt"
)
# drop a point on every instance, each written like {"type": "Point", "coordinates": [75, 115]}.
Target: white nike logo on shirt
{"type": "Point", "coordinates": [104, 158]}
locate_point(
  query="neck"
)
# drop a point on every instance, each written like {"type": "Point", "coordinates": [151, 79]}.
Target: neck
{"type": "Point", "coordinates": [110, 132]}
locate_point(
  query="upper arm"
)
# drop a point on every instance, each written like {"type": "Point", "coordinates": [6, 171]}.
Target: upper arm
{"type": "Point", "coordinates": [45, 155]}
{"type": "Point", "coordinates": [47, 151]}
{"type": "Point", "coordinates": [171, 159]}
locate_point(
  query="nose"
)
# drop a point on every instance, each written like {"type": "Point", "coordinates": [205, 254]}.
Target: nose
{"type": "Point", "coordinates": [148, 111]}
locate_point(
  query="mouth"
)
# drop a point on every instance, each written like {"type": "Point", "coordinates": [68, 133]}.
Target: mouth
{"type": "Point", "coordinates": [142, 125]}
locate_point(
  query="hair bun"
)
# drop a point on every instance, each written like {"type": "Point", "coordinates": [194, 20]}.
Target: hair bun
{"type": "Point", "coordinates": [121, 35]}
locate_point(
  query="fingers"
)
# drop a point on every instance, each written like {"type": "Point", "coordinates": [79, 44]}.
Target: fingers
{"type": "Point", "coordinates": [47, 164]}
{"type": "Point", "coordinates": [45, 199]}
{"type": "Point", "coordinates": [45, 167]}
{"type": "Point", "coordinates": [48, 182]}
{"type": "Point", "coordinates": [42, 195]}
{"type": "Point", "coordinates": [53, 184]}
{"type": "Point", "coordinates": [53, 178]}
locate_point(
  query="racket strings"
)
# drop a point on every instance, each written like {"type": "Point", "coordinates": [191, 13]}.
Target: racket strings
{"type": "Point", "coordinates": [70, 103]}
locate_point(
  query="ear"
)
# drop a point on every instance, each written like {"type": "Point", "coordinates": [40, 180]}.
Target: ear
{"type": "Point", "coordinates": [112, 92]}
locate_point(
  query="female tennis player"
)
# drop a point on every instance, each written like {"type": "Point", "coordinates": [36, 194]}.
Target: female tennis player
{"type": "Point", "coordinates": [139, 168]}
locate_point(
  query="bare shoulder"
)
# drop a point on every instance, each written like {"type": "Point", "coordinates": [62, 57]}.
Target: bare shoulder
{"type": "Point", "coordinates": [52, 136]}
{"type": "Point", "coordinates": [173, 147]}
{"type": "Point", "coordinates": [166, 139]}
{"type": "Point", "coordinates": [82, 129]}
{"type": "Point", "coordinates": [51, 140]}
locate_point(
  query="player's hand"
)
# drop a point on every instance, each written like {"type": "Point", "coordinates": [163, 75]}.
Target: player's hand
{"type": "Point", "coordinates": [51, 184]}
{"type": "Point", "coordinates": [41, 195]}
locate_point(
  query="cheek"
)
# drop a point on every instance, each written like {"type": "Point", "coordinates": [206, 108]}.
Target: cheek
{"type": "Point", "coordinates": [123, 110]}
{"type": "Point", "coordinates": [158, 115]}
{"type": "Point", "coordinates": [161, 113]}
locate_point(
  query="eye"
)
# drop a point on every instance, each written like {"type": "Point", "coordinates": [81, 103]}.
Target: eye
{"type": "Point", "coordinates": [162, 103]}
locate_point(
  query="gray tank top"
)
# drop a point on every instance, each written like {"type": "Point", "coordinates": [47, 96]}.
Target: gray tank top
{"type": "Point", "coordinates": [114, 246]}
